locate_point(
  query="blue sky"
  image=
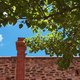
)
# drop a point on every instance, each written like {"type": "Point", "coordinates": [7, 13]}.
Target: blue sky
{"type": "Point", "coordinates": [8, 37]}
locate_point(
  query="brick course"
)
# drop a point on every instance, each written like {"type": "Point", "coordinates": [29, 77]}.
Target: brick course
{"type": "Point", "coordinates": [36, 68]}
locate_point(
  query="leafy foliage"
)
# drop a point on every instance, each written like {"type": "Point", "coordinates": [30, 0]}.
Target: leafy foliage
{"type": "Point", "coordinates": [52, 15]}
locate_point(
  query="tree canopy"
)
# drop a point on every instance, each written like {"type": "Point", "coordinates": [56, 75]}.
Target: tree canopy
{"type": "Point", "coordinates": [52, 15]}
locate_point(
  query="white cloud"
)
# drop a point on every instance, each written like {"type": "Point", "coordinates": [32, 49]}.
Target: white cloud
{"type": "Point", "coordinates": [1, 37]}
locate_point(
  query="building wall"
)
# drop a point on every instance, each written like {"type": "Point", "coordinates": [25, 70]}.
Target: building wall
{"type": "Point", "coordinates": [47, 69]}
{"type": "Point", "coordinates": [35, 68]}
{"type": "Point", "coordinates": [39, 68]}
{"type": "Point", "coordinates": [7, 68]}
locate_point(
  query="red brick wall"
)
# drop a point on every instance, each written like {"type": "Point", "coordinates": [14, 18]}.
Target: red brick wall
{"type": "Point", "coordinates": [45, 68]}
{"type": "Point", "coordinates": [20, 68]}
{"type": "Point", "coordinates": [39, 68]}
{"type": "Point", "coordinates": [35, 68]}
{"type": "Point", "coordinates": [7, 68]}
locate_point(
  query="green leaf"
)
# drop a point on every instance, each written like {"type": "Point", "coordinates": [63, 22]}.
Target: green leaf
{"type": "Point", "coordinates": [43, 25]}
{"type": "Point", "coordinates": [0, 25]}
{"type": "Point", "coordinates": [30, 51]}
{"type": "Point", "coordinates": [15, 21]}
{"type": "Point", "coordinates": [46, 2]}
{"type": "Point", "coordinates": [28, 24]}
{"type": "Point", "coordinates": [20, 26]}
{"type": "Point", "coordinates": [29, 48]}
{"type": "Point", "coordinates": [4, 24]}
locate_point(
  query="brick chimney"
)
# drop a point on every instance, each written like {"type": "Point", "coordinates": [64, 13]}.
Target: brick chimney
{"type": "Point", "coordinates": [20, 66]}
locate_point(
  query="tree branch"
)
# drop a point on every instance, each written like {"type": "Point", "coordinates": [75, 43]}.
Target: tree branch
{"type": "Point", "coordinates": [55, 13]}
{"type": "Point", "coordinates": [40, 8]}
{"type": "Point", "coordinates": [8, 7]}
{"type": "Point", "coordinates": [62, 12]}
